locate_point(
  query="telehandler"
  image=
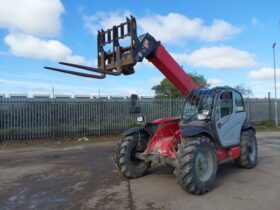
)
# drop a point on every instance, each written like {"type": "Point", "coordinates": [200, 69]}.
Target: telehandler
{"type": "Point", "coordinates": [211, 130]}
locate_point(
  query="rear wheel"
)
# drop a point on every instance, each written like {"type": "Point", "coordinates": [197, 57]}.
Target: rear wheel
{"type": "Point", "coordinates": [248, 150]}
{"type": "Point", "coordinates": [196, 165]}
{"type": "Point", "coordinates": [125, 159]}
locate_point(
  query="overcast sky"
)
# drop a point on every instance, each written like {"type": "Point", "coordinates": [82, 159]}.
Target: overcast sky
{"type": "Point", "coordinates": [229, 42]}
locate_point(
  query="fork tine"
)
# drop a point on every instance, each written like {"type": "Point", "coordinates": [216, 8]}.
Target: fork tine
{"type": "Point", "coordinates": [91, 69]}
{"type": "Point", "coordinates": [102, 76]}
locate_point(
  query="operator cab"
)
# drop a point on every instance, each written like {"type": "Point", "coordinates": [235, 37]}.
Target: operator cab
{"type": "Point", "coordinates": [218, 112]}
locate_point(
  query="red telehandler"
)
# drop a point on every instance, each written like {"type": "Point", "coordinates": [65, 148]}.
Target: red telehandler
{"type": "Point", "coordinates": [211, 130]}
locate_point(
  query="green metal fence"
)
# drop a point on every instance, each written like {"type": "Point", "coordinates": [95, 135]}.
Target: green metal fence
{"type": "Point", "coordinates": [32, 118]}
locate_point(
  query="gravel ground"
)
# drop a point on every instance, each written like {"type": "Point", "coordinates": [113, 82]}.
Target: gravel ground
{"type": "Point", "coordinates": [83, 176]}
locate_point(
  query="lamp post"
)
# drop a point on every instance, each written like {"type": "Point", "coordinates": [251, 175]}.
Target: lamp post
{"type": "Point", "coordinates": [275, 98]}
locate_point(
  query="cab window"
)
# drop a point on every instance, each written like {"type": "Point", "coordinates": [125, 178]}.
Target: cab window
{"type": "Point", "coordinates": [226, 103]}
{"type": "Point", "coordinates": [239, 105]}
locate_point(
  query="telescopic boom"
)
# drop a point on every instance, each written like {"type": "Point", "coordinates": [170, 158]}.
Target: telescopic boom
{"type": "Point", "coordinates": [121, 60]}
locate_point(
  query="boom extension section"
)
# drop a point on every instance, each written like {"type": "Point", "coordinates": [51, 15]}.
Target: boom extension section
{"type": "Point", "coordinates": [113, 59]}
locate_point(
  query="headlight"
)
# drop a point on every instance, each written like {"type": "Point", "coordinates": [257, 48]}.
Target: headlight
{"type": "Point", "coordinates": [140, 119]}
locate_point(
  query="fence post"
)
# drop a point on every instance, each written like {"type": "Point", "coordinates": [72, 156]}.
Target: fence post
{"type": "Point", "coordinates": [170, 107]}
{"type": "Point", "coordinates": [269, 107]}
{"type": "Point", "coordinates": [53, 117]}
{"type": "Point", "coordinates": [249, 110]}
{"type": "Point", "coordinates": [99, 121]}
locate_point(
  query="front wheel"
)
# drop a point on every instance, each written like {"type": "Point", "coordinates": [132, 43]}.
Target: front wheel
{"type": "Point", "coordinates": [248, 150]}
{"type": "Point", "coordinates": [196, 165]}
{"type": "Point", "coordinates": [125, 159]}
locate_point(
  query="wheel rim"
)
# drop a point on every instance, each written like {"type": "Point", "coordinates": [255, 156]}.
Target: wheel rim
{"type": "Point", "coordinates": [204, 164]}
{"type": "Point", "coordinates": [251, 147]}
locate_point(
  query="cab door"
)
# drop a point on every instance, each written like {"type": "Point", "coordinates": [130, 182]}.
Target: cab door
{"type": "Point", "coordinates": [230, 115]}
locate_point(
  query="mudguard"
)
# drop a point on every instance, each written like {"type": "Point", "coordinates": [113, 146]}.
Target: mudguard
{"type": "Point", "coordinates": [136, 130]}
{"type": "Point", "coordinates": [195, 131]}
{"type": "Point", "coordinates": [143, 136]}
{"type": "Point", "coordinates": [247, 126]}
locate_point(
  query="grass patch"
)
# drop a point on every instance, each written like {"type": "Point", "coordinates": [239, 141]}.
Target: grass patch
{"type": "Point", "coordinates": [266, 126]}
{"type": "Point", "coordinates": [74, 140]}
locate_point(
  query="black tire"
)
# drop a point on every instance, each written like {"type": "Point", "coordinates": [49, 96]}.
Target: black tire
{"type": "Point", "coordinates": [125, 159]}
{"type": "Point", "coordinates": [248, 150]}
{"type": "Point", "coordinates": [195, 174]}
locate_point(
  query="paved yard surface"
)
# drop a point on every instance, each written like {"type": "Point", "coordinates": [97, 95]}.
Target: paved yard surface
{"type": "Point", "coordinates": [83, 176]}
